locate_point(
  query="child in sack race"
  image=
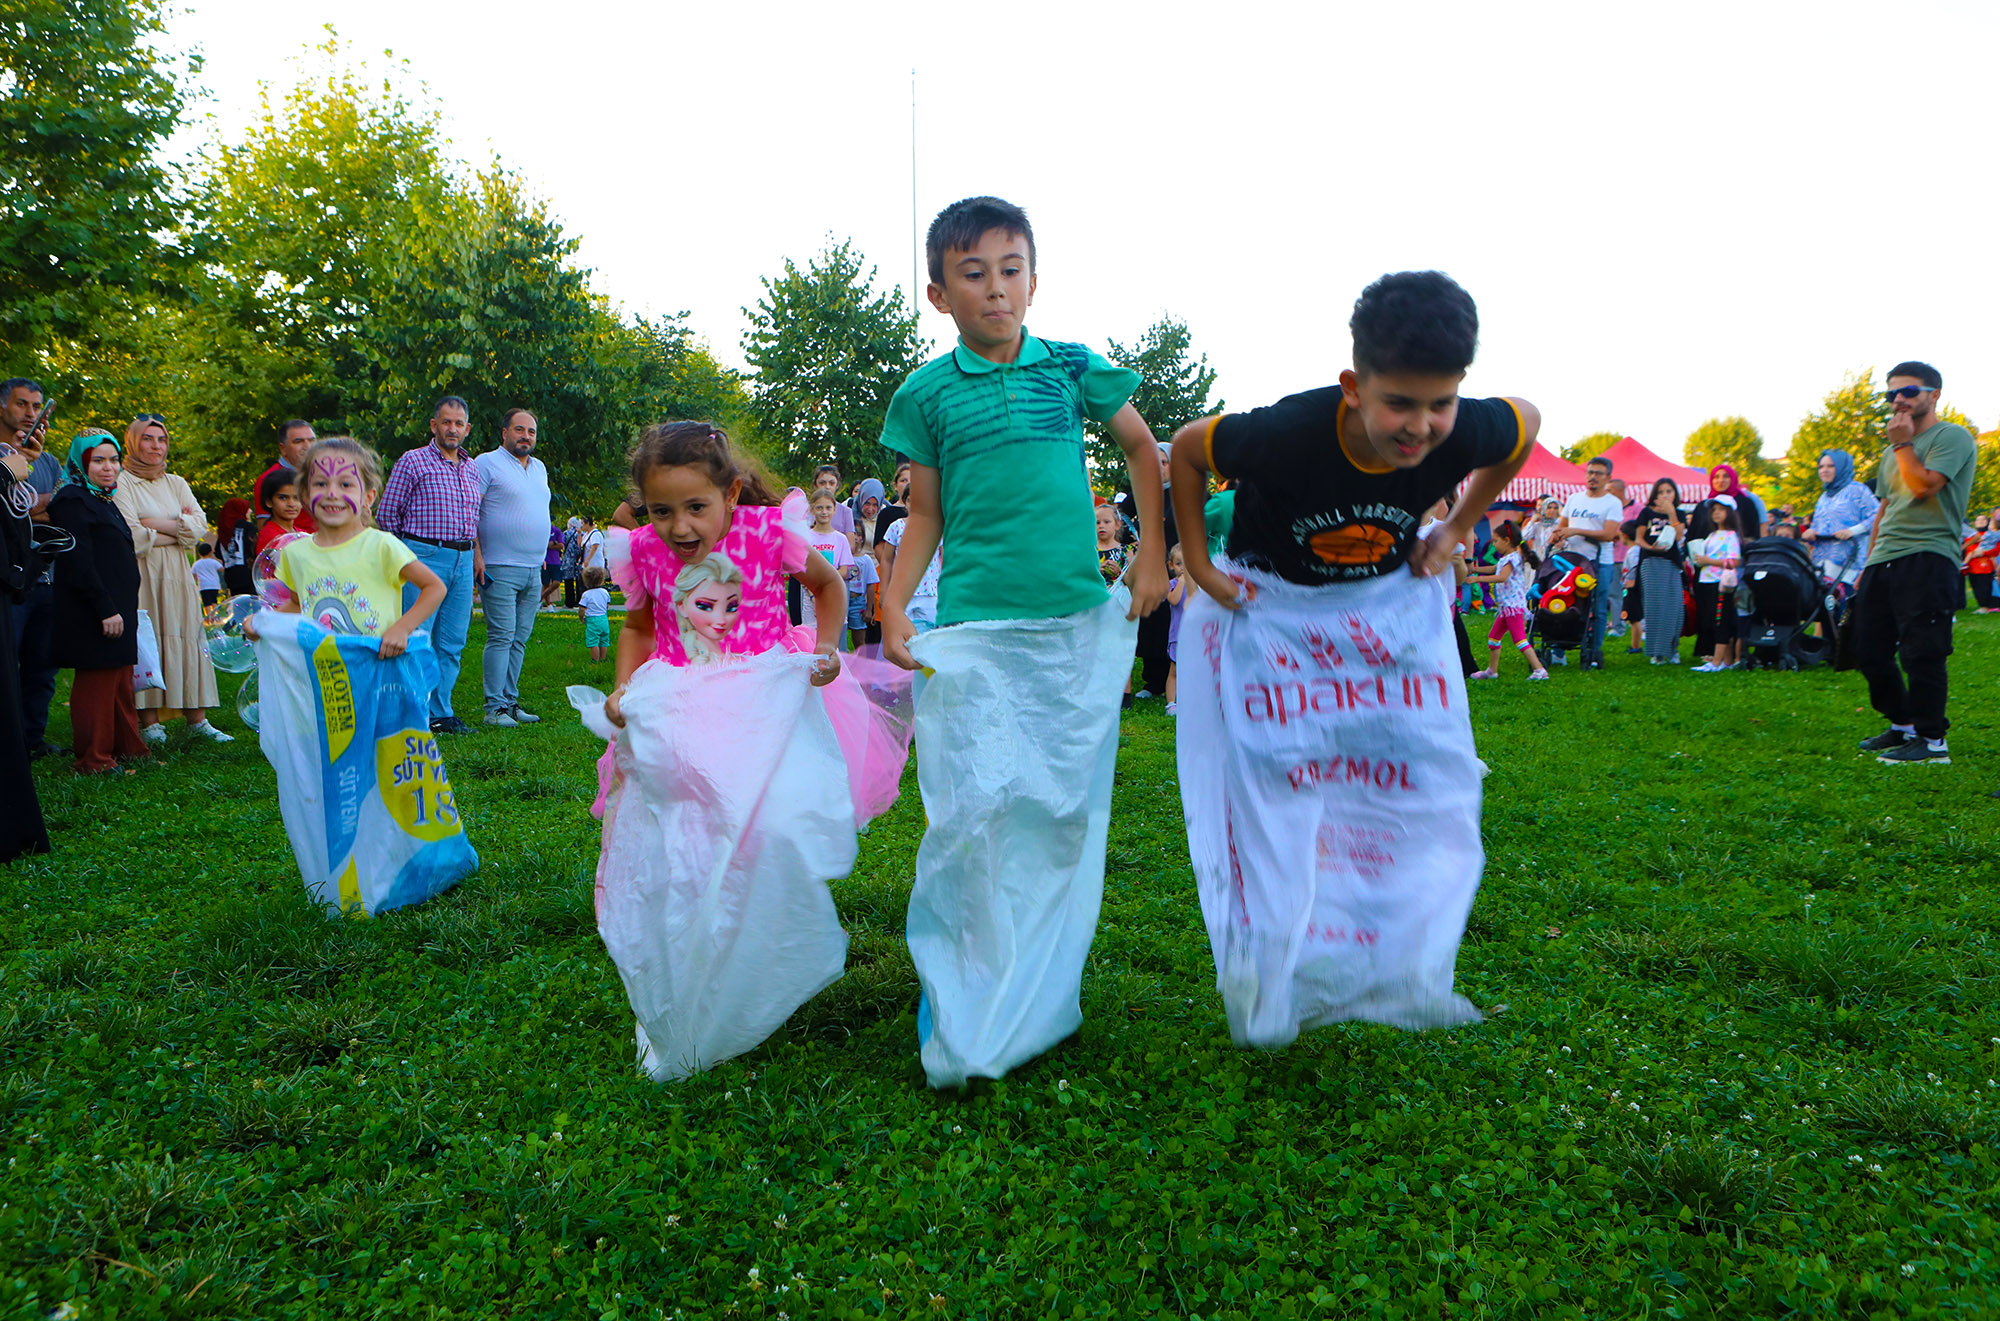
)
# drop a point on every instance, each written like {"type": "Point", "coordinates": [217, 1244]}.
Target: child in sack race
{"type": "Point", "coordinates": [1327, 769]}
{"type": "Point", "coordinates": [1017, 731]}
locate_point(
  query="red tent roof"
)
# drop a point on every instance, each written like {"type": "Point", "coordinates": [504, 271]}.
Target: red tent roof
{"type": "Point", "coordinates": [1640, 468]}
{"type": "Point", "coordinates": [1544, 474]}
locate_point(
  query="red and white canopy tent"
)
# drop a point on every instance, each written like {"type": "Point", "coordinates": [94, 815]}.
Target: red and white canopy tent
{"type": "Point", "coordinates": [1543, 474]}
{"type": "Point", "coordinates": [1639, 467]}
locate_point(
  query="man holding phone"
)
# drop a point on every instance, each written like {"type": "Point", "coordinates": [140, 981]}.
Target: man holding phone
{"type": "Point", "coordinates": [24, 423]}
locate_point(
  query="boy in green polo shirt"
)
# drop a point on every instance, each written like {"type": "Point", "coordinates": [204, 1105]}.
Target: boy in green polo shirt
{"type": "Point", "coordinates": [1017, 730]}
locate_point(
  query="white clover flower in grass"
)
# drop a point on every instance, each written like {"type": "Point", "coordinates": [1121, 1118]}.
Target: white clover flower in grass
{"type": "Point", "coordinates": [1909, 1268]}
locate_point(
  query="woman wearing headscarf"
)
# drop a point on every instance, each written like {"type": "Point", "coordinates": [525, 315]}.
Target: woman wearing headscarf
{"type": "Point", "coordinates": [21, 827]}
{"type": "Point", "coordinates": [571, 567]}
{"type": "Point", "coordinates": [1750, 515]}
{"type": "Point", "coordinates": [1845, 511]}
{"type": "Point", "coordinates": [97, 605]}
{"type": "Point", "coordinates": [166, 524]}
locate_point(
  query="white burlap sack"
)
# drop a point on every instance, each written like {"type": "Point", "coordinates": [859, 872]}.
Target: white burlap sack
{"type": "Point", "coordinates": [1017, 738]}
{"type": "Point", "coordinates": [1332, 800]}
{"type": "Point", "coordinates": [730, 815]}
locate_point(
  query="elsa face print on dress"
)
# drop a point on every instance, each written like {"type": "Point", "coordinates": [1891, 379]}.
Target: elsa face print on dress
{"type": "Point", "coordinates": [708, 601]}
{"type": "Point", "coordinates": [711, 610]}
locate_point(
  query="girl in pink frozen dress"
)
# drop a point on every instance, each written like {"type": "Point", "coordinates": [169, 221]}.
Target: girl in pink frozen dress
{"type": "Point", "coordinates": [712, 521]}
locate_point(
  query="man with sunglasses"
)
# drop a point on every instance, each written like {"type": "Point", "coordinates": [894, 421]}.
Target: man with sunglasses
{"type": "Point", "coordinates": [1910, 590]}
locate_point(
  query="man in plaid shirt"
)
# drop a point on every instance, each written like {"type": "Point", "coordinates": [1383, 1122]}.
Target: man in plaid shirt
{"type": "Point", "coordinates": [431, 501]}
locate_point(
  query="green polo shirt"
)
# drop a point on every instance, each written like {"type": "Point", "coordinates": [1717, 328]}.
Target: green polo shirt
{"type": "Point", "coordinates": [1936, 525]}
{"type": "Point", "coordinates": [1020, 523]}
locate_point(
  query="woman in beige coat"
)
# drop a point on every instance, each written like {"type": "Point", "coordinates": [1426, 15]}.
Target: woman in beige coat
{"type": "Point", "coordinates": [166, 526]}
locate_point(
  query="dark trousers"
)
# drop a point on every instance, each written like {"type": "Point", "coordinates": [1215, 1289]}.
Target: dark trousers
{"type": "Point", "coordinates": [1153, 660]}
{"type": "Point", "coordinates": [103, 722]}
{"type": "Point", "coordinates": [1903, 612]}
{"type": "Point", "coordinates": [21, 827]}
{"type": "Point", "coordinates": [34, 623]}
{"type": "Point", "coordinates": [1982, 589]}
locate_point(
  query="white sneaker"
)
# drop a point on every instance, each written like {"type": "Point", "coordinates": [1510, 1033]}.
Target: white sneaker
{"type": "Point", "coordinates": [1143, 695]}
{"type": "Point", "coordinates": [1173, 708]}
{"type": "Point", "coordinates": [501, 719]}
{"type": "Point", "coordinates": [154, 733]}
{"type": "Point", "coordinates": [209, 732]}
{"type": "Point", "coordinates": [523, 717]}
{"type": "Point", "coordinates": [1707, 667]}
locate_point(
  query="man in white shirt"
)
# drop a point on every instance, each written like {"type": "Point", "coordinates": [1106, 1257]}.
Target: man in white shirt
{"type": "Point", "coordinates": [1589, 527]}
{"type": "Point", "coordinates": [513, 538]}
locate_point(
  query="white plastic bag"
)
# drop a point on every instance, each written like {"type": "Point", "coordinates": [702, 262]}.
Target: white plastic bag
{"type": "Point", "coordinates": [361, 782]}
{"type": "Point", "coordinates": [729, 815]}
{"type": "Point", "coordinates": [1017, 738]}
{"type": "Point", "coordinates": [1332, 796]}
{"type": "Point", "coordinates": [146, 674]}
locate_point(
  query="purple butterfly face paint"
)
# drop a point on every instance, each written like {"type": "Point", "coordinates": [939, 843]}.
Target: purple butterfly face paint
{"type": "Point", "coordinates": [336, 491]}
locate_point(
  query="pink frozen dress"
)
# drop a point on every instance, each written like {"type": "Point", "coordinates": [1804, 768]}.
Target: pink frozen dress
{"type": "Point", "coordinates": [869, 703]}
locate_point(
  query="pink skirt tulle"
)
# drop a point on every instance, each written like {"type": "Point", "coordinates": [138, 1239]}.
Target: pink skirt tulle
{"type": "Point", "coordinates": [870, 706]}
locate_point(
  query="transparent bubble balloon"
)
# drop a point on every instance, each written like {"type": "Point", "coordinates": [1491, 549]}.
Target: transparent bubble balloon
{"type": "Point", "coordinates": [246, 702]}
{"type": "Point", "coordinates": [264, 572]}
{"type": "Point", "coordinates": [227, 647]}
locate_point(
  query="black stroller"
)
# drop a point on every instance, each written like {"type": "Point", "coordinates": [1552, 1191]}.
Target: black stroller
{"type": "Point", "coordinates": [1559, 601]}
{"type": "Point", "coordinates": [1779, 595]}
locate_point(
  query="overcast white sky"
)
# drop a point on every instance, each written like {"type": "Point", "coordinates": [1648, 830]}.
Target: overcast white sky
{"type": "Point", "coordinates": [1666, 213]}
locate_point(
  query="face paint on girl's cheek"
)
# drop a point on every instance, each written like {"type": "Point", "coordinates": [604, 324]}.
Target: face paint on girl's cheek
{"type": "Point", "coordinates": [331, 470]}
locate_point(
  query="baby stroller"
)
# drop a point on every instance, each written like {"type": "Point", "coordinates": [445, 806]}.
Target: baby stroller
{"type": "Point", "coordinates": [1559, 600]}
{"type": "Point", "coordinates": [1778, 595]}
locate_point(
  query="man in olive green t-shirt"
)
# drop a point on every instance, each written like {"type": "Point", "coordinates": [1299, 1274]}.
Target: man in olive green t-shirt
{"type": "Point", "coordinates": [1910, 590]}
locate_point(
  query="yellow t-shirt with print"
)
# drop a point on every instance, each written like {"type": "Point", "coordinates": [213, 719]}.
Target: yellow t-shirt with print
{"type": "Point", "coordinates": [355, 587]}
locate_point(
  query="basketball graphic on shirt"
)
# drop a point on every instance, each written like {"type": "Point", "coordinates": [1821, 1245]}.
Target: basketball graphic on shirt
{"type": "Point", "coordinates": [1354, 543]}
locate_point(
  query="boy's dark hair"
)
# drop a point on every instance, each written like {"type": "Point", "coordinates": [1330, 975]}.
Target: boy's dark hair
{"type": "Point", "coordinates": [833, 468]}
{"type": "Point", "coordinates": [202, 549]}
{"type": "Point", "coordinates": [1414, 321]}
{"type": "Point", "coordinates": [593, 577]}
{"type": "Point", "coordinates": [960, 225]}
{"type": "Point", "coordinates": [1923, 371]}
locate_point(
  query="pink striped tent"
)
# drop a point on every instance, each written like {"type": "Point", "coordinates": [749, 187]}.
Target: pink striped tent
{"type": "Point", "coordinates": [1640, 468]}
{"type": "Point", "coordinates": [1543, 474]}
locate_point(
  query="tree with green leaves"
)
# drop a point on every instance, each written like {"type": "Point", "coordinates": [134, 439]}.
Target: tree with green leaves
{"type": "Point", "coordinates": [827, 352]}
{"type": "Point", "coordinates": [86, 98]}
{"type": "Point", "coordinates": [1854, 418]}
{"type": "Point", "coordinates": [1172, 392]}
{"type": "Point", "coordinates": [1732, 440]}
{"type": "Point", "coordinates": [1592, 445]}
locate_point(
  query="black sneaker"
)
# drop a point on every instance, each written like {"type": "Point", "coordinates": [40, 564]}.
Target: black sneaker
{"type": "Point", "coordinates": [1884, 741]}
{"type": "Point", "coordinates": [448, 725]}
{"type": "Point", "coordinates": [1917, 751]}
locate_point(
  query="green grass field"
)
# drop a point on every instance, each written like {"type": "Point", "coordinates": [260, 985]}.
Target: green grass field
{"type": "Point", "coordinates": [1740, 1062]}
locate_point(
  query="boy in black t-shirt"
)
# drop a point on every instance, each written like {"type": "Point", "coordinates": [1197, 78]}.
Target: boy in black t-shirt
{"type": "Point", "coordinates": [1332, 483]}
{"type": "Point", "coordinates": [1328, 773]}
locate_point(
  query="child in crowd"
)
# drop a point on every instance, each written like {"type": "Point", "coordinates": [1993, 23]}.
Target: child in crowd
{"type": "Point", "coordinates": [826, 480]}
{"type": "Point", "coordinates": [594, 608]}
{"type": "Point", "coordinates": [835, 545]}
{"type": "Point", "coordinates": [207, 571]}
{"type": "Point", "coordinates": [1180, 591]}
{"type": "Point", "coordinates": [1461, 584]}
{"type": "Point", "coordinates": [1018, 733]}
{"type": "Point", "coordinates": [347, 576]}
{"type": "Point", "coordinates": [1112, 554]}
{"type": "Point", "coordinates": [862, 590]}
{"type": "Point", "coordinates": [279, 493]}
{"type": "Point", "coordinates": [1717, 556]}
{"type": "Point", "coordinates": [1327, 768]}
{"type": "Point", "coordinates": [1633, 603]}
{"type": "Point", "coordinates": [1510, 576]}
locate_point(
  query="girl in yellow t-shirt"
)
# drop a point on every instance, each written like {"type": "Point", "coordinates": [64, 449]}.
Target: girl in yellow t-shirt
{"type": "Point", "coordinates": [348, 576]}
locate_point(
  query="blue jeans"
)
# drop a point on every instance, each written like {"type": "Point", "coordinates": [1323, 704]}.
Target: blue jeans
{"type": "Point", "coordinates": [513, 595]}
{"type": "Point", "coordinates": [448, 626]}
{"type": "Point", "coordinates": [34, 622]}
{"type": "Point", "coordinates": [1600, 614]}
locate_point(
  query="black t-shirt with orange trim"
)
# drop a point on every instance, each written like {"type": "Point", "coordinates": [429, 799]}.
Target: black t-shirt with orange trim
{"type": "Point", "coordinates": [1306, 511]}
